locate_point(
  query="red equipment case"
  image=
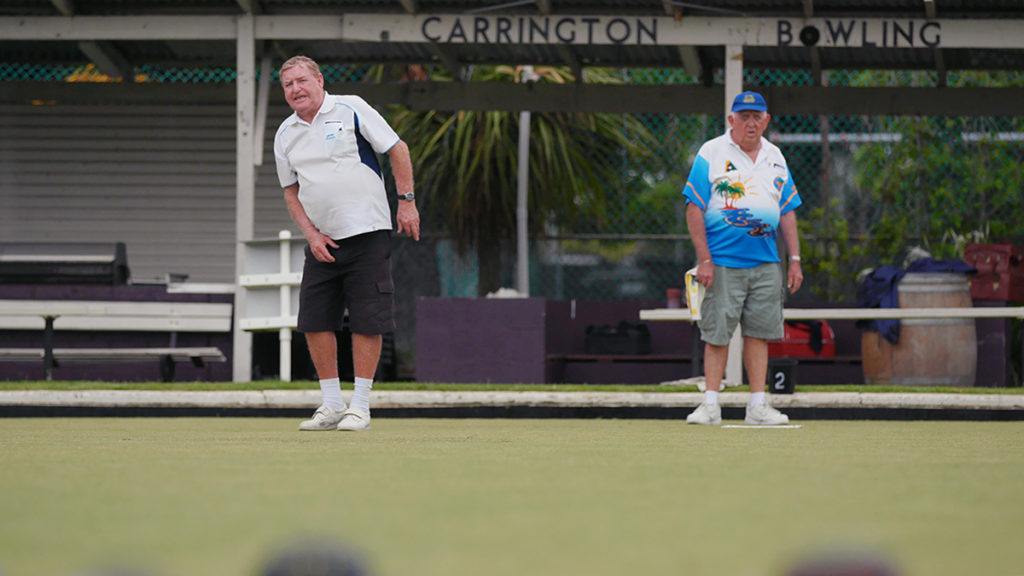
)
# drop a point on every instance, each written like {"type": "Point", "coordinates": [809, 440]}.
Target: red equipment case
{"type": "Point", "coordinates": [799, 338]}
{"type": "Point", "coordinates": [1000, 271]}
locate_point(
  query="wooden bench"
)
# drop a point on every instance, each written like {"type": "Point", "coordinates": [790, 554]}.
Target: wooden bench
{"type": "Point", "coordinates": [680, 314]}
{"type": "Point", "coordinates": [683, 315]}
{"type": "Point", "coordinates": [608, 358]}
{"type": "Point", "coordinates": [89, 315]}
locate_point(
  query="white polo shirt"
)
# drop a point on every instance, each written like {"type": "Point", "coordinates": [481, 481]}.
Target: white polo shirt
{"type": "Point", "coordinates": [333, 159]}
{"type": "Point", "coordinates": [742, 200]}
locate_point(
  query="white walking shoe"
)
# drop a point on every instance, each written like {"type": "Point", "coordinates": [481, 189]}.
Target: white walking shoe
{"type": "Point", "coordinates": [764, 415]}
{"type": "Point", "coordinates": [325, 418]}
{"type": "Point", "coordinates": [706, 414]}
{"type": "Point", "coordinates": [354, 420]}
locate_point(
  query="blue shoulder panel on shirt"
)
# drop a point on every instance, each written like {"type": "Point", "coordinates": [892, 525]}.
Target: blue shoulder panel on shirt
{"type": "Point", "coordinates": [698, 189]}
{"type": "Point", "coordinates": [366, 153]}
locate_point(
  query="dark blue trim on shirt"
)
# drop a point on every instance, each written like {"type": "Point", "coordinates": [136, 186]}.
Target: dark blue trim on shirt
{"type": "Point", "coordinates": [366, 153]}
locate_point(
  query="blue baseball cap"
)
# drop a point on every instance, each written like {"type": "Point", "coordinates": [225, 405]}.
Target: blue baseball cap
{"type": "Point", "coordinates": [749, 101]}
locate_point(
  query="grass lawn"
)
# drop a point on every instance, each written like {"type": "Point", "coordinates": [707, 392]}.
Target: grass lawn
{"type": "Point", "coordinates": [424, 497]}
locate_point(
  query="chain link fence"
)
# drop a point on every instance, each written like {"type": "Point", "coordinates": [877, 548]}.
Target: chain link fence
{"type": "Point", "coordinates": [872, 187]}
{"type": "Point", "coordinates": [87, 72]}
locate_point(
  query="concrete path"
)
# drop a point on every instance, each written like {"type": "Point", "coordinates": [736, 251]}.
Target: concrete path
{"type": "Point", "coordinates": [809, 405]}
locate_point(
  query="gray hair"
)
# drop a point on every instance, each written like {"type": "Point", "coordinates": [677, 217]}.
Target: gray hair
{"type": "Point", "coordinates": [304, 61]}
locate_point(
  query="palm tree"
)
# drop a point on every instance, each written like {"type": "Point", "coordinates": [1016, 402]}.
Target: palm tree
{"type": "Point", "coordinates": [466, 165]}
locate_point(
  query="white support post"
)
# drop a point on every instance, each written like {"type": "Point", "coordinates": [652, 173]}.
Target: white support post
{"type": "Point", "coordinates": [522, 195]}
{"type": "Point", "coordinates": [262, 100]}
{"type": "Point", "coordinates": [734, 359]}
{"type": "Point", "coordinates": [522, 212]}
{"type": "Point", "coordinates": [733, 76]}
{"type": "Point", "coordinates": [245, 184]}
{"type": "Point", "coordinates": [285, 333]}
{"type": "Point", "coordinates": [733, 86]}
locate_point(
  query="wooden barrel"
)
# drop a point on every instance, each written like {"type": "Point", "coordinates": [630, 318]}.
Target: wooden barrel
{"type": "Point", "coordinates": [931, 351]}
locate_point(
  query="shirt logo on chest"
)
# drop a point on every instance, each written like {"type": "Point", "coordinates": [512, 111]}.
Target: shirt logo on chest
{"type": "Point", "coordinates": [332, 128]}
{"type": "Point", "coordinates": [731, 191]}
{"type": "Point", "coordinates": [738, 216]}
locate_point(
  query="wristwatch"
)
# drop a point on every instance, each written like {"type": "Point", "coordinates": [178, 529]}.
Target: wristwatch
{"type": "Point", "coordinates": [408, 196]}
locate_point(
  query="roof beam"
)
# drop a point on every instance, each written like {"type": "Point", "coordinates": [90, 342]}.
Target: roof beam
{"type": "Point", "coordinates": [108, 59]}
{"type": "Point", "coordinates": [940, 61]}
{"type": "Point", "coordinates": [65, 7]}
{"type": "Point", "coordinates": [104, 55]}
{"type": "Point", "coordinates": [250, 6]}
{"type": "Point", "coordinates": [572, 61]}
{"type": "Point", "coordinates": [688, 55]}
{"type": "Point", "coordinates": [813, 50]}
{"type": "Point", "coordinates": [547, 97]}
{"type": "Point", "coordinates": [566, 52]}
{"type": "Point", "coordinates": [808, 6]}
{"type": "Point", "coordinates": [691, 61]}
{"type": "Point", "coordinates": [815, 65]}
{"type": "Point", "coordinates": [125, 28]}
{"type": "Point", "coordinates": [448, 59]}
{"type": "Point", "coordinates": [659, 31]}
{"type": "Point", "coordinates": [940, 67]}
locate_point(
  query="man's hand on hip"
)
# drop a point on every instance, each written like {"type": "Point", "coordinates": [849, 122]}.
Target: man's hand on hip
{"type": "Point", "coordinates": [318, 244]}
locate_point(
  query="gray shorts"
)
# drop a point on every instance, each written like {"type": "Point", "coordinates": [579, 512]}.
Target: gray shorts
{"type": "Point", "coordinates": [359, 279]}
{"type": "Point", "coordinates": [750, 297]}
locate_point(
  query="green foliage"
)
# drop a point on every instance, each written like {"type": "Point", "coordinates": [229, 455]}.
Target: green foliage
{"type": "Point", "coordinates": [466, 162]}
{"type": "Point", "coordinates": [933, 188]}
{"type": "Point", "coordinates": [831, 260]}
{"type": "Point", "coordinates": [608, 251]}
{"type": "Point", "coordinates": [657, 208]}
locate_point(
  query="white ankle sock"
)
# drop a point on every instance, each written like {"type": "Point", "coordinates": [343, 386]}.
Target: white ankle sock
{"type": "Point", "coordinates": [756, 398]}
{"type": "Point", "coordinates": [711, 396]}
{"type": "Point", "coordinates": [331, 390]}
{"type": "Point", "coordinates": [361, 396]}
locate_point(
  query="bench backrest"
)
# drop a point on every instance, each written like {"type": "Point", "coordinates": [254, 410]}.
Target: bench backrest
{"type": "Point", "coordinates": [125, 316]}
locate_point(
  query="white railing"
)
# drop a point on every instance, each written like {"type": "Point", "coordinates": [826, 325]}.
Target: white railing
{"type": "Point", "coordinates": [273, 274]}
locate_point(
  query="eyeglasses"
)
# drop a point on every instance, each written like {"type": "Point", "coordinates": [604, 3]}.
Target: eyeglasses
{"type": "Point", "coordinates": [749, 118]}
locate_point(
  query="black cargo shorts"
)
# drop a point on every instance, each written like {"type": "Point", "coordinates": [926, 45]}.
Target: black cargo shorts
{"type": "Point", "coordinates": [359, 279]}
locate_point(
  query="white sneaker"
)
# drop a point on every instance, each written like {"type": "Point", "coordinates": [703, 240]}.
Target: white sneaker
{"type": "Point", "coordinates": [325, 418]}
{"type": "Point", "coordinates": [764, 415]}
{"type": "Point", "coordinates": [706, 414]}
{"type": "Point", "coordinates": [354, 420]}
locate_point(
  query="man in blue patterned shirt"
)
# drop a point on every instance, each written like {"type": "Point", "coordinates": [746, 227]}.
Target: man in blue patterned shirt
{"type": "Point", "coordinates": [740, 195]}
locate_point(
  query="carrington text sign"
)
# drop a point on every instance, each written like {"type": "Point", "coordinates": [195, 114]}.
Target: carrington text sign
{"type": "Point", "coordinates": [619, 30]}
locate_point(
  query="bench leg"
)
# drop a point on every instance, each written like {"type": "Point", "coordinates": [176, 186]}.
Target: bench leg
{"type": "Point", "coordinates": [696, 351]}
{"type": "Point", "coordinates": [167, 368]}
{"type": "Point", "coordinates": [48, 361]}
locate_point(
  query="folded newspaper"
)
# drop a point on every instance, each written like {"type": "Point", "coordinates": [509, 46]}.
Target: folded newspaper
{"type": "Point", "coordinates": [694, 293]}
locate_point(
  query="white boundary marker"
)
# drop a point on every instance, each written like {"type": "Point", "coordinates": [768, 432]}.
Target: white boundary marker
{"type": "Point", "coordinates": [765, 427]}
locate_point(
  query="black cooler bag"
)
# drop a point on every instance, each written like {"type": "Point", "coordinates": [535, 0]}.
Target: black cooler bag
{"type": "Point", "coordinates": [627, 338]}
